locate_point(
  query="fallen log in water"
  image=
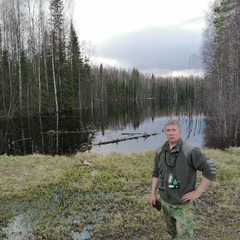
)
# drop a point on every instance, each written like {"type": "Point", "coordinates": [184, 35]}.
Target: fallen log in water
{"type": "Point", "coordinates": [131, 133]}
{"type": "Point", "coordinates": [145, 136]}
{"type": "Point", "coordinates": [53, 132]}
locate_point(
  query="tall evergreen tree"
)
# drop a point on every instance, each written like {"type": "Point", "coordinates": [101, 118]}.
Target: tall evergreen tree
{"type": "Point", "coordinates": [1, 68]}
{"type": "Point", "coordinates": [58, 51]}
{"type": "Point", "coordinates": [75, 66]}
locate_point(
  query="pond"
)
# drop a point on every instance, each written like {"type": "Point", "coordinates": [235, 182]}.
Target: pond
{"type": "Point", "coordinates": [134, 140]}
{"type": "Point", "coordinates": [125, 129]}
{"type": "Point", "coordinates": [40, 135]}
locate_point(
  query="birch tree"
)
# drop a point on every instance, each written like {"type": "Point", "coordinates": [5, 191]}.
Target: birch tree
{"type": "Point", "coordinates": [221, 58]}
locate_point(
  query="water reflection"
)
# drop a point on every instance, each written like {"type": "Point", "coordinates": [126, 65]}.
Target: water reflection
{"type": "Point", "coordinates": [221, 136]}
{"type": "Point", "coordinates": [191, 131]}
{"type": "Point", "coordinates": [84, 130]}
{"type": "Point", "coordinates": [66, 135]}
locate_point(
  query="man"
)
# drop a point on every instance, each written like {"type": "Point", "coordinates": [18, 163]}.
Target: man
{"type": "Point", "coordinates": [175, 171]}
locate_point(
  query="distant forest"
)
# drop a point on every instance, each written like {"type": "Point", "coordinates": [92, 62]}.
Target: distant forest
{"type": "Point", "coordinates": [46, 68]}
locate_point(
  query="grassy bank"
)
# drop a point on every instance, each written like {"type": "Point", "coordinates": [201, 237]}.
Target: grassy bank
{"type": "Point", "coordinates": [106, 197]}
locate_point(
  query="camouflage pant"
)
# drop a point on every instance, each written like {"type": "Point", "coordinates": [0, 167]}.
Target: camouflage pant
{"type": "Point", "coordinates": [179, 220]}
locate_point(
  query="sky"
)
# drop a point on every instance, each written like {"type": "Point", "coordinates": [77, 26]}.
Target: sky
{"type": "Point", "coordinates": [162, 37]}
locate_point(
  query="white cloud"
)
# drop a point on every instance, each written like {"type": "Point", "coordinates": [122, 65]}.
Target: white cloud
{"type": "Point", "coordinates": [105, 61]}
{"type": "Point", "coordinates": [147, 34]}
{"type": "Point", "coordinates": [170, 72]}
{"type": "Point", "coordinates": [98, 20]}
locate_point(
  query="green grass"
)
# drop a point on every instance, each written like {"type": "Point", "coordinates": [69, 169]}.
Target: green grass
{"type": "Point", "coordinates": [61, 198]}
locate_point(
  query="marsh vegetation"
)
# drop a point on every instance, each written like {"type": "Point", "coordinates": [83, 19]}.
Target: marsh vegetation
{"type": "Point", "coordinates": [105, 197]}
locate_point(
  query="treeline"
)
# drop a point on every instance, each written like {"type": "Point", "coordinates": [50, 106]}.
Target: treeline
{"type": "Point", "coordinates": [221, 58]}
{"type": "Point", "coordinates": [44, 67]}
{"type": "Point", "coordinates": [113, 84]}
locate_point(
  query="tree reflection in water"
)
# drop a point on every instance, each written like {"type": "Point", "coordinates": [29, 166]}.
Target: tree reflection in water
{"type": "Point", "coordinates": [86, 129]}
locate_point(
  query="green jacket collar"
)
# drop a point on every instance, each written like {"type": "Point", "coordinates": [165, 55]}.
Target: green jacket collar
{"type": "Point", "coordinates": [177, 148]}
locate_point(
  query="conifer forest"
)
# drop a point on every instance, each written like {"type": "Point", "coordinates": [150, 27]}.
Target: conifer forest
{"type": "Point", "coordinates": [44, 67]}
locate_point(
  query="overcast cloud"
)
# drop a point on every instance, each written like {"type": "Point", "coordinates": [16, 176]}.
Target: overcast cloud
{"type": "Point", "coordinates": [154, 49]}
{"type": "Point", "coordinates": [155, 36]}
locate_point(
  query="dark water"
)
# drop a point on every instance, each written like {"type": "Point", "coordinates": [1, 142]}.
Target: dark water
{"type": "Point", "coordinates": [125, 139]}
{"type": "Point", "coordinates": [123, 127]}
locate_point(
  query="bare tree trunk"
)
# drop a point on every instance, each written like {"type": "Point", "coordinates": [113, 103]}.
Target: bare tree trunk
{"type": "Point", "coordinates": [19, 47]}
{"type": "Point", "coordinates": [53, 68]}
{"type": "Point", "coordinates": [54, 81]}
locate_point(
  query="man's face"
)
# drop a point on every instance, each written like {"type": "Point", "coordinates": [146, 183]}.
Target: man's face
{"type": "Point", "coordinates": [173, 133]}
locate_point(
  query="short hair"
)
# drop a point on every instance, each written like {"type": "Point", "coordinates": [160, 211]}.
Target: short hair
{"type": "Point", "coordinates": [172, 122]}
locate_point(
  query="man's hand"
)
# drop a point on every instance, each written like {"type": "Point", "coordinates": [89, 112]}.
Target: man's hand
{"type": "Point", "coordinates": [152, 200]}
{"type": "Point", "coordinates": [191, 196]}
{"type": "Point", "coordinates": [195, 194]}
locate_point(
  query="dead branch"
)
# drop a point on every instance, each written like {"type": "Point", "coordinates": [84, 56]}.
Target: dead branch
{"type": "Point", "coordinates": [145, 136]}
{"type": "Point", "coordinates": [131, 133]}
{"type": "Point", "coordinates": [53, 132]}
